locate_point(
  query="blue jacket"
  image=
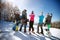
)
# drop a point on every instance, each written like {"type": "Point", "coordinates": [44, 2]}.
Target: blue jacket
{"type": "Point", "coordinates": [41, 17]}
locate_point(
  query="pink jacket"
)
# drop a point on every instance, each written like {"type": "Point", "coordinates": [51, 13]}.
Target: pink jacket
{"type": "Point", "coordinates": [32, 17]}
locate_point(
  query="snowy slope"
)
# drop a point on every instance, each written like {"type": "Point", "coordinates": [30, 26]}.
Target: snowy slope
{"type": "Point", "coordinates": [9, 34]}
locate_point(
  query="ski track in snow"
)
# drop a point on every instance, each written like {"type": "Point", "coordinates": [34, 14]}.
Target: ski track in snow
{"type": "Point", "coordinates": [9, 34]}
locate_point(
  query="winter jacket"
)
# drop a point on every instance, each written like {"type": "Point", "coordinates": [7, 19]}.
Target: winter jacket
{"type": "Point", "coordinates": [24, 15]}
{"type": "Point", "coordinates": [41, 17]}
{"type": "Point", "coordinates": [48, 19]}
{"type": "Point", "coordinates": [32, 17]}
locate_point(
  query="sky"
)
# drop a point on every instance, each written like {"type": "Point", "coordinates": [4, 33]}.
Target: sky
{"type": "Point", "coordinates": [47, 6]}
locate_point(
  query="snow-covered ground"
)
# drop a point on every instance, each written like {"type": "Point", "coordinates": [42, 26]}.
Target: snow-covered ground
{"type": "Point", "coordinates": [9, 34]}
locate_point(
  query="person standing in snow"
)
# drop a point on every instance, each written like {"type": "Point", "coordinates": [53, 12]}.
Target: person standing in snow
{"type": "Point", "coordinates": [24, 20]}
{"type": "Point", "coordinates": [17, 17]}
{"type": "Point", "coordinates": [41, 17]}
{"type": "Point", "coordinates": [31, 22]}
{"type": "Point", "coordinates": [48, 21]}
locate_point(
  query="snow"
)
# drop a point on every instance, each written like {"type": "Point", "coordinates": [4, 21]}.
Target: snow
{"type": "Point", "coordinates": [9, 34]}
{"type": "Point", "coordinates": [55, 32]}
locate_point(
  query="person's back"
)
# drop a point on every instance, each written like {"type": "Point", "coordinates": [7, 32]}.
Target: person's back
{"type": "Point", "coordinates": [48, 23]}
{"type": "Point", "coordinates": [24, 14]}
{"type": "Point", "coordinates": [41, 17]}
{"type": "Point", "coordinates": [17, 16]}
{"type": "Point", "coordinates": [48, 19]}
{"type": "Point", "coordinates": [24, 20]}
{"type": "Point", "coordinates": [40, 24]}
{"type": "Point", "coordinates": [31, 22]}
{"type": "Point", "coordinates": [31, 17]}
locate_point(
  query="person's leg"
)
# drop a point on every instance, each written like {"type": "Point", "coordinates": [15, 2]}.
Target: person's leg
{"type": "Point", "coordinates": [29, 29]}
{"type": "Point", "coordinates": [32, 26]}
{"type": "Point", "coordinates": [41, 29]}
{"type": "Point", "coordinates": [48, 31]}
{"type": "Point", "coordinates": [32, 29]}
{"type": "Point", "coordinates": [21, 27]}
{"type": "Point", "coordinates": [25, 28]}
{"type": "Point", "coordinates": [17, 23]}
{"type": "Point", "coordinates": [38, 28]}
{"type": "Point", "coordinates": [29, 26]}
{"type": "Point", "coordinates": [49, 25]}
{"type": "Point", "coordinates": [22, 22]}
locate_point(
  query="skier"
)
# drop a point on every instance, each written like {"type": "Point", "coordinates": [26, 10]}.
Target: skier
{"type": "Point", "coordinates": [17, 20]}
{"type": "Point", "coordinates": [24, 20]}
{"type": "Point", "coordinates": [48, 22]}
{"type": "Point", "coordinates": [41, 17]}
{"type": "Point", "coordinates": [31, 22]}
